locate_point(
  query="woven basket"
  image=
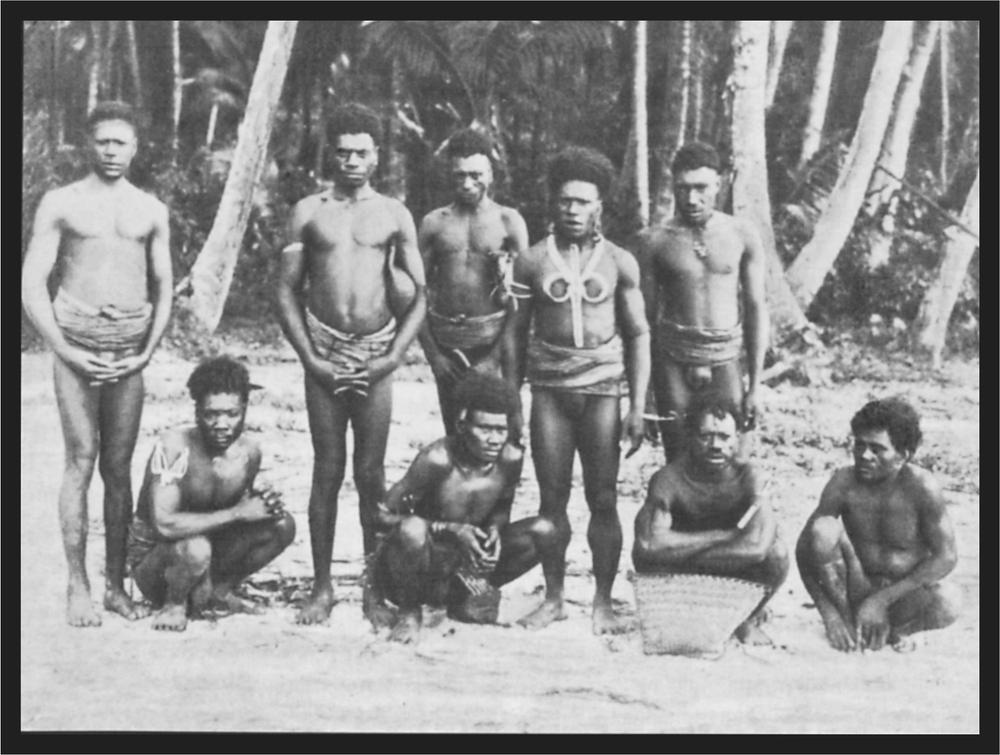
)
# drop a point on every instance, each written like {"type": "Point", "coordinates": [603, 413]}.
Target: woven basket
{"type": "Point", "coordinates": [692, 614]}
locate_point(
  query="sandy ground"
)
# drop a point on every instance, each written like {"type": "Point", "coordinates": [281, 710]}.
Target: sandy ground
{"type": "Point", "coordinates": [264, 673]}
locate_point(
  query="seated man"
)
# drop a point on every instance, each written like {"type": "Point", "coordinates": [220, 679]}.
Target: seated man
{"type": "Point", "coordinates": [449, 541]}
{"type": "Point", "coordinates": [704, 514]}
{"type": "Point", "coordinates": [875, 550]}
{"type": "Point", "coordinates": [200, 525]}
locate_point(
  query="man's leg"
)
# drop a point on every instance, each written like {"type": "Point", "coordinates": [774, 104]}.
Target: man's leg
{"type": "Point", "coordinates": [120, 412]}
{"type": "Point", "coordinates": [772, 572]}
{"type": "Point", "coordinates": [370, 420]}
{"type": "Point", "coordinates": [169, 573]}
{"type": "Point", "coordinates": [599, 434]}
{"type": "Point", "coordinates": [445, 389]}
{"type": "Point", "coordinates": [240, 550]}
{"type": "Point", "coordinates": [932, 607]}
{"type": "Point", "coordinates": [523, 544]}
{"type": "Point", "coordinates": [672, 398]}
{"type": "Point", "coordinates": [553, 442]}
{"type": "Point", "coordinates": [328, 427]}
{"type": "Point", "coordinates": [78, 404]}
{"type": "Point", "coordinates": [404, 563]}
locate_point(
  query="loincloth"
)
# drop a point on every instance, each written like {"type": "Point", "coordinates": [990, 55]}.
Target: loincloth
{"type": "Point", "coordinates": [141, 540]}
{"type": "Point", "coordinates": [701, 346]}
{"type": "Point", "coordinates": [464, 335]}
{"type": "Point", "coordinates": [349, 352]}
{"type": "Point", "coordinates": [101, 329]}
{"type": "Point", "coordinates": [597, 371]}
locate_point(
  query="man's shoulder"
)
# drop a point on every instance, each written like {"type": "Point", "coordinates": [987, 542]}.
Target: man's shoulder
{"type": "Point", "coordinates": [436, 216]}
{"type": "Point", "coordinates": [437, 454]}
{"type": "Point", "coordinates": [148, 199]}
{"type": "Point", "coordinates": [511, 455]}
{"type": "Point", "coordinates": [919, 481]}
{"type": "Point", "coordinates": [176, 440]}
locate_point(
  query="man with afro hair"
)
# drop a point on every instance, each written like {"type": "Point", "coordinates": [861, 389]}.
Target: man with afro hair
{"type": "Point", "coordinates": [201, 524]}
{"type": "Point", "coordinates": [876, 550]}
{"type": "Point", "coordinates": [448, 536]}
{"type": "Point", "coordinates": [468, 248]}
{"type": "Point", "coordinates": [588, 344]}
{"type": "Point", "coordinates": [350, 269]}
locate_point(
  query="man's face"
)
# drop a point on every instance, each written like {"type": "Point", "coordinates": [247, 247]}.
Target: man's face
{"type": "Point", "coordinates": [472, 176]}
{"type": "Point", "coordinates": [695, 192]}
{"type": "Point", "coordinates": [484, 434]}
{"type": "Point", "coordinates": [714, 444]}
{"type": "Point", "coordinates": [220, 419]}
{"type": "Point", "coordinates": [355, 158]}
{"type": "Point", "coordinates": [578, 207]}
{"type": "Point", "coordinates": [875, 458]}
{"type": "Point", "coordinates": [114, 144]}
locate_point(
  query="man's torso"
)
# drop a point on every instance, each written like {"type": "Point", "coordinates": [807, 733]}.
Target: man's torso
{"type": "Point", "coordinates": [698, 505]}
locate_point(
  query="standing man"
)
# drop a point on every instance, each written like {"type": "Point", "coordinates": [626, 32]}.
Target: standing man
{"type": "Point", "coordinates": [201, 527]}
{"type": "Point", "coordinates": [467, 247]}
{"type": "Point", "coordinates": [343, 243]}
{"type": "Point", "coordinates": [702, 272]}
{"type": "Point", "coordinates": [590, 333]}
{"type": "Point", "coordinates": [450, 540]}
{"type": "Point", "coordinates": [875, 552]}
{"type": "Point", "coordinates": [704, 513]}
{"type": "Point", "coordinates": [111, 243]}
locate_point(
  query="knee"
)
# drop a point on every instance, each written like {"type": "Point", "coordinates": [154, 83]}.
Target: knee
{"type": "Point", "coordinates": [603, 503]}
{"type": "Point", "coordinates": [412, 532]}
{"type": "Point", "coordinates": [81, 459]}
{"type": "Point", "coordinates": [824, 535]}
{"type": "Point", "coordinates": [195, 553]}
{"type": "Point", "coordinates": [115, 470]}
{"type": "Point", "coordinates": [546, 532]}
{"type": "Point", "coordinates": [284, 530]}
{"type": "Point", "coordinates": [947, 606]}
{"type": "Point", "coordinates": [776, 563]}
{"type": "Point", "coordinates": [369, 478]}
{"type": "Point", "coordinates": [328, 469]}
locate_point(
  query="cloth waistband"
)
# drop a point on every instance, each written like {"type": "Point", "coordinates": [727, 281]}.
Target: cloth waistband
{"type": "Point", "coordinates": [703, 346]}
{"type": "Point", "coordinates": [106, 328]}
{"type": "Point", "coordinates": [466, 332]}
{"type": "Point", "coordinates": [598, 370]}
{"type": "Point", "coordinates": [350, 348]}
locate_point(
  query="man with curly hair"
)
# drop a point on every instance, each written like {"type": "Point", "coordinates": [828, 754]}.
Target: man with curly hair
{"type": "Point", "coordinates": [876, 550]}
{"type": "Point", "coordinates": [589, 341]}
{"type": "Point", "coordinates": [468, 248]}
{"type": "Point", "coordinates": [703, 275]}
{"type": "Point", "coordinates": [201, 525]}
{"type": "Point", "coordinates": [108, 244]}
{"type": "Point", "coordinates": [357, 251]}
{"type": "Point", "coordinates": [449, 540]}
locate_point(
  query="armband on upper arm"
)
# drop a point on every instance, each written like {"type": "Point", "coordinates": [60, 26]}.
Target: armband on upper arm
{"type": "Point", "coordinates": [168, 474]}
{"type": "Point", "coordinates": [295, 246]}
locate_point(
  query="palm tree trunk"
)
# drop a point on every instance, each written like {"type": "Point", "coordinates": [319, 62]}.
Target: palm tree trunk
{"type": "Point", "coordinates": [699, 86]}
{"type": "Point", "coordinates": [177, 91]}
{"type": "Point", "coordinates": [94, 80]}
{"type": "Point", "coordinates": [806, 273]}
{"type": "Point", "coordinates": [55, 75]}
{"type": "Point", "coordinates": [822, 81]}
{"type": "Point", "coordinates": [685, 80]}
{"type": "Point", "coordinates": [396, 159]}
{"type": "Point", "coordinates": [134, 70]}
{"type": "Point", "coordinates": [931, 325]}
{"type": "Point", "coordinates": [212, 272]}
{"type": "Point", "coordinates": [641, 124]}
{"type": "Point", "coordinates": [945, 102]}
{"type": "Point", "coordinates": [780, 31]}
{"type": "Point", "coordinates": [108, 79]}
{"type": "Point", "coordinates": [750, 196]}
{"type": "Point", "coordinates": [896, 149]}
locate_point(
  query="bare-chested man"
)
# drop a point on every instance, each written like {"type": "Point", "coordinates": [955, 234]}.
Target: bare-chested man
{"type": "Point", "coordinates": [110, 242]}
{"type": "Point", "coordinates": [346, 243]}
{"type": "Point", "coordinates": [704, 513]}
{"type": "Point", "coordinates": [875, 551]}
{"type": "Point", "coordinates": [450, 540]}
{"type": "Point", "coordinates": [468, 248]}
{"type": "Point", "coordinates": [590, 334]}
{"type": "Point", "coordinates": [201, 527]}
{"type": "Point", "coordinates": [701, 272]}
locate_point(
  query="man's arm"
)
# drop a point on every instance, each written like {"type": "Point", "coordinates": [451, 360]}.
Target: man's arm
{"type": "Point", "coordinates": [635, 327]}
{"type": "Point", "coordinates": [510, 461]}
{"type": "Point", "coordinates": [161, 291]}
{"type": "Point", "coordinates": [515, 342]}
{"type": "Point", "coordinates": [408, 252]}
{"type": "Point", "coordinates": [440, 365]}
{"type": "Point", "coordinates": [756, 325]}
{"type": "Point", "coordinates": [40, 259]}
{"type": "Point", "coordinates": [168, 515]}
{"type": "Point", "coordinates": [427, 470]}
{"type": "Point", "coordinates": [831, 502]}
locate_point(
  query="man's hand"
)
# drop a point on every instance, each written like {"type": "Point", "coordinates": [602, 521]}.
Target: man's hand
{"type": "Point", "coordinates": [325, 374]}
{"type": "Point", "coordinates": [471, 537]}
{"type": "Point", "coordinates": [379, 367]}
{"type": "Point", "coordinates": [444, 369]}
{"type": "Point", "coordinates": [839, 633]}
{"type": "Point", "coordinates": [635, 429]}
{"type": "Point", "coordinates": [91, 366]}
{"type": "Point", "coordinates": [252, 508]}
{"type": "Point", "coordinates": [872, 623]}
{"type": "Point", "coordinates": [492, 547]}
{"type": "Point", "coordinates": [749, 410]}
{"type": "Point", "coordinates": [271, 498]}
{"type": "Point", "coordinates": [129, 365]}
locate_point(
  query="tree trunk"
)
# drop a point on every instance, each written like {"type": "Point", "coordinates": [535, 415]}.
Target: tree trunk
{"type": "Point", "coordinates": [641, 124]}
{"type": "Point", "coordinates": [750, 197]}
{"type": "Point", "coordinates": [822, 81]}
{"type": "Point", "coordinates": [107, 86]}
{"type": "Point", "coordinates": [133, 62]}
{"type": "Point", "coordinates": [177, 91]}
{"type": "Point", "coordinates": [396, 159]}
{"type": "Point", "coordinates": [55, 76]}
{"type": "Point", "coordinates": [318, 165]}
{"type": "Point", "coordinates": [780, 31]}
{"type": "Point", "coordinates": [806, 273]}
{"type": "Point", "coordinates": [685, 81]}
{"type": "Point", "coordinates": [212, 272]}
{"type": "Point", "coordinates": [931, 325]}
{"type": "Point", "coordinates": [663, 205]}
{"type": "Point", "coordinates": [896, 149]}
{"type": "Point", "coordinates": [96, 49]}
{"type": "Point", "coordinates": [945, 102]}
{"type": "Point", "coordinates": [699, 86]}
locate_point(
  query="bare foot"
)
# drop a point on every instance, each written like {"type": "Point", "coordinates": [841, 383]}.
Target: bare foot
{"type": "Point", "coordinates": [229, 602]}
{"type": "Point", "coordinates": [604, 621]}
{"type": "Point", "coordinates": [902, 644]}
{"type": "Point", "coordinates": [749, 633]}
{"type": "Point", "coordinates": [317, 608]}
{"type": "Point", "coordinates": [407, 629]}
{"type": "Point", "coordinates": [79, 610]}
{"type": "Point", "coordinates": [116, 601]}
{"type": "Point", "coordinates": [171, 618]}
{"type": "Point", "coordinates": [375, 609]}
{"type": "Point", "coordinates": [545, 614]}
